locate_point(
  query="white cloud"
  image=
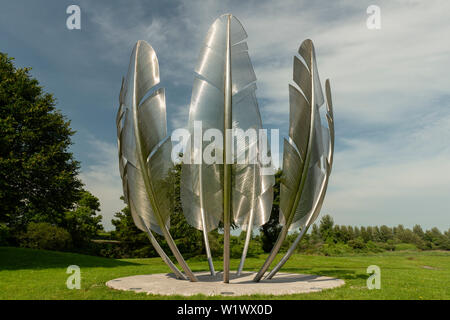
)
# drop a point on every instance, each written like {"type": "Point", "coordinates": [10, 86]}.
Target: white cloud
{"type": "Point", "coordinates": [400, 180]}
{"type": "Point", "coordinates": [179, 118]}
{"type": "Point", "coordinates": [102, 178]}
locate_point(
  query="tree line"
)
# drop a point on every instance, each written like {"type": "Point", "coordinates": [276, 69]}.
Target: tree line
{"type": "Point", "coordinates": [324, 238]}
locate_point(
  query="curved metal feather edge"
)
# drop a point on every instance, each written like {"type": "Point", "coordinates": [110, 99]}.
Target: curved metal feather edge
{"type": "Point", "coordinates": [223, 98]}
{"type": "Point", "coordinates": [139, 222]}
{"type": "Point", "coordinates": [255, 191]}
{"type": "Point", "coordinates": [312, 216]}
{"type": "Point", "coordinates": [303, 151]}
{"type": "Point", "coordinates": [145, 151]}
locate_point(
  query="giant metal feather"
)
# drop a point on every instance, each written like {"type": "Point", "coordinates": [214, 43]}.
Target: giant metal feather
{"type": "Point", "coordinates": [145, 151]}
{"type": "Point", "coordinates": [304, 152]}
{"type": "Point", "coordinates": [223, 98]}
{"type": "Point", "coordinates": [310, 218]}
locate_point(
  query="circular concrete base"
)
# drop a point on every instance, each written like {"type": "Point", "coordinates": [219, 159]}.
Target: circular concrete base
{"type": "Point", "coordinates": [281, 283]}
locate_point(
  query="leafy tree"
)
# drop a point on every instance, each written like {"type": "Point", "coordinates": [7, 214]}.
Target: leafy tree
{"type": "Point", "coordinates": [5, 235]}
{"type": "Point", "coordinates": [341, 234]}
{"type": "Point", "coordinates": [43, 235]}
{"type": "Point", "coordinates": [357, 243]}
{"type": "Point", "coordinates": [38, 175]}
{"type": "Point", "coordinates": [364, 235]}
{"type": "Point", "coordinates": [386, 233]}
{"type": "Point", "coordinates": [408, 236]}
{"type": "Point", "coordinates": [369, 233]}
{"type": "Point", "coordinates": [419, 231]}
{"type": "Point", "coordinates": [326, 228]}
{"type": "Point", "coordinates": [398, 231]}
{"type": "Point", "coordinates": [356, 232]}
{"type": "Point", "coordinates": [272, 228]}
{"type": "Point", "coordinates": [351, 232]}
{"type": "Point", "coordinates": [83, 222]}
{"type": "Point", "coordinates": [188, 239]}
{"type": "Point", "coordinates": [133, 242]}
{"type": "Point", "coordinates": [316, 237]}
{"type": "Point", "coordinates": [376, 234]}
{"type": "Point", "coordinates": [437, 239]}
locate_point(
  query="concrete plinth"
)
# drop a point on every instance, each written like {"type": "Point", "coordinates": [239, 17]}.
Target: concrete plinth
{"type": "Point", "coordinates": [282, 283]}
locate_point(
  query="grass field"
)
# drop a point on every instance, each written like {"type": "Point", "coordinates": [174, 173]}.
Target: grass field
{"type": "Point", "coordinates": [34, 274]}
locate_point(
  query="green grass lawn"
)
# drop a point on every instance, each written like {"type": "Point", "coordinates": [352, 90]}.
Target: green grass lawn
{"type": "Point", "coordinates": [34, 274]}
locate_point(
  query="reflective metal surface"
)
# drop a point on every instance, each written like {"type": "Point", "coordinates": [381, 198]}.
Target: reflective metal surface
{"type": "Point", "coordinates": [223, 97]}
{"type": "Point", "coordinates": [305, 175]}
{"type": "Point", "coordinates": [227, 125]}
{"type": "Point", "coordinates": [311, 217]}
{"type": "Point", "coordinates": [144, 157]}
{"type": "Point", "coordinates": [237, 188]}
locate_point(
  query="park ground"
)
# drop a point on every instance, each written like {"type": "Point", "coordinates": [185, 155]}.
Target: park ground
{"type": "Point", "coordinates": [40, 274]}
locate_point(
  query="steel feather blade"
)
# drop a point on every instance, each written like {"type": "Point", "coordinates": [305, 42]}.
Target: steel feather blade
{"type": "Point", "coordinates": [310, 218]}
{"type": "Point", "coordinates": [304, 152]}
{"type": "Point", "coordinates": [223, 98]}
{"type": "Point", "coordinates": [145, 150]}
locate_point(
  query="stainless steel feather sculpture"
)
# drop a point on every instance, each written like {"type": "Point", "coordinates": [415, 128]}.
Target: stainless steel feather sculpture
{"type": "Point", "coordinates": [237, 187]}
{"type": "Point", "coordinates": [311, 217]}
{"type": "Point", "coordinates": [223, 99]}
{"type": "Point", "coordinates": [145, 151]}
{"type": "Point", "coordinates": [307, 155]}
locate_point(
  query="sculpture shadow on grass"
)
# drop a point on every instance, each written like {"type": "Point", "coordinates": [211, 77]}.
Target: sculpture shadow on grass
{"type": "Point", "coordinates": [23, 258]}
{"type": "Point", "coordinates": [280, 278]}
{"type": "Point", "coordinates": [337, 273]}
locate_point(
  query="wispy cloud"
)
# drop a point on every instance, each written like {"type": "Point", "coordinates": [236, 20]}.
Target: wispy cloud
{"type": "Point", "coordinates": [102, 177]}
{"type": "Point", "coordinates": [403, 179]}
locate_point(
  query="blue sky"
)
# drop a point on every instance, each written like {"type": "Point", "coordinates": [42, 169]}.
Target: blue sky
{"type": "Point", "coordinates": [391, 87]}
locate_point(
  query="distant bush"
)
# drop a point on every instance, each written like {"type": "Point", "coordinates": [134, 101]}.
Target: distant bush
{"type": "Point", "coordinates": [335, 249]}
{"type": "Point", "coordinates": [357, 243]}
{"type": "Point", "coordinates": [237, 246]}
{"type": "Point", "coordinates": [405, 246]}
{"type": "Point", "coordinates": [374, 247]}
{"type": "Point", "coordinates": [43, 235]}
{"type": "Point", "coordinates": [254, 249]}
{"type": "Point", "coordinates": [388, 245]}
{"type": "Point", "coordinates": [104, 235]}
{"type": "Point", "coordinates": [4, 235]}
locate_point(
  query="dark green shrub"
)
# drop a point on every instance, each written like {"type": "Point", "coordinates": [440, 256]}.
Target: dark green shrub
{"type": "Point", "coordinates": [405, 246]}
{"type": "Point", "coordinates": [331, 249]}
{"type": "Point", "coordinates": [254, 249]}
{"type": "Point", "coordinates": [216, 243]}
{"type": "Point", "coordinates": [357, 243]}
{"type": "Point", "coordinates": [388, 245]}
{"type": "Point", "coordinates": [4, 235]}
{"type": "Point", "coordinates": [236, 250]}
{"type": "Point", "coordinates": [374, 247]}
{"type": "Point", "coordinates": [83, 222]}
{"type": "Point", "coordinates": [43, 235]}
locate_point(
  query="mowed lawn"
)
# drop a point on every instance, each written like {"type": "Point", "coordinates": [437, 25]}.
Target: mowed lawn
{"type": "Point", "coordinates": [35, 274]}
